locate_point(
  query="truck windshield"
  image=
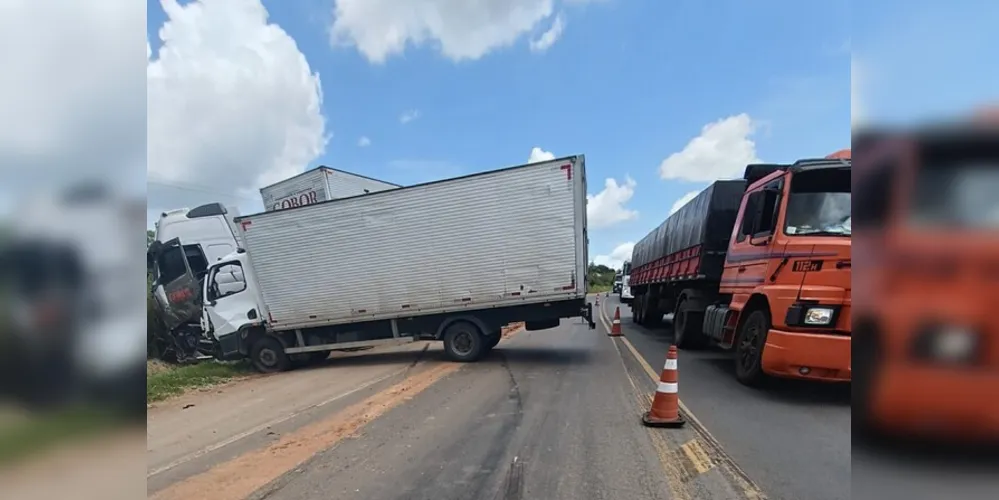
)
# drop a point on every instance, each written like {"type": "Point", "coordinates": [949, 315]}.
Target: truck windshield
{"type": "Point", "coordinates": [819, 203]}
{"type": "Point", "coordinates": [956, 187]}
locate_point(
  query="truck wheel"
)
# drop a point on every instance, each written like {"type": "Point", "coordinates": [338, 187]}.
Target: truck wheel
{"type": "Point", "coordinates": [464, 342]}
{"type": "Point", "coordinates": [688, 326]}
{"type": "Point", "coordinates": [749, 348]}
{"type": "Point", "coordinates": [268, 356]}
{"type": "Point", "coordinates": [652, 316]}
{"type": "Point", "coordinates": [866, 359]}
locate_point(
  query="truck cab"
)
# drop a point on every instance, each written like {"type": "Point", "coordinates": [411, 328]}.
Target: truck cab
{"type": "Point", "coordinates": [787, 274]}
{"type": "Point", "coordinates": [186, 242]}
{"type": "Point", "coordinates": [926, 329]}
{"type": "Point", "coordinates": [625, 293]}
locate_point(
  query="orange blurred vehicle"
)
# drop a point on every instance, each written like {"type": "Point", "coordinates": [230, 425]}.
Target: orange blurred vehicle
{"type": "Point", "coordinates": [926, 332]}
{"type": "Point", "coordinates": [761, 266]}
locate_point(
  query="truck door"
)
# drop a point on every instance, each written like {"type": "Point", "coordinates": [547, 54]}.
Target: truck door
{"type": "Point", "coordinates": [228, 304]}
{"type": "Point", "coordinates": [750, 251]}
{"type": "Point", "coordinates": [176, 290]}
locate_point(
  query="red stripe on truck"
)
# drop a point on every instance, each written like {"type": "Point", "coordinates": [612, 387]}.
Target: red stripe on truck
{"type": "Point", "coordinates": [568, 171]}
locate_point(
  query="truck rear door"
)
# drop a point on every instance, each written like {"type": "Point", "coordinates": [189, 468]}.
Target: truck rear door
{"type": "Point", "coordinates": [176, 289]}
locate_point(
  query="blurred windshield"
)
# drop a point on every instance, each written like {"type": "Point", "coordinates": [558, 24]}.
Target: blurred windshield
{"type": "Point", "coordinates": [956, 185]}
{"type": "Point", "coordinates": [819, 203]}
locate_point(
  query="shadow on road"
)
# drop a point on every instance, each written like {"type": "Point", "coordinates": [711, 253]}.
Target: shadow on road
{"type": "Point", "coordinates": [365, 358]}
{"type": "Point", "coordinates": [552, 356]}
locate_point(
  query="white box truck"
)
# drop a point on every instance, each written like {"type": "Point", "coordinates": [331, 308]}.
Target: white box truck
{"type": "Point", "coordinates": [453, 260]}
{"type": "Point", "coordinates": [318, 185]}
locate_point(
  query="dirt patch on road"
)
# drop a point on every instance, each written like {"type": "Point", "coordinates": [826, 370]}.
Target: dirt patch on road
{"type": "Point", "coordinates": [240, 477]}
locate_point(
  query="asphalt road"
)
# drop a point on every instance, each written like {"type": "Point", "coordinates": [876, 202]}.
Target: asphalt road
{"type": "Point", "coordinates": [791, 438]}
{"type": "Point", "coordinates": [549, 415]}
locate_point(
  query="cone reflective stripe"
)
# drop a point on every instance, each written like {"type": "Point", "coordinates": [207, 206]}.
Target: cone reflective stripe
{"type": "Point", "coordinates": [616, 325]}
{"type": "Point", "coordinates": [665, 411]}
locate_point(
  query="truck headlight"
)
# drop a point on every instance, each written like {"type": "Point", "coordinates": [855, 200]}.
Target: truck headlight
{"type": "Point", "coordinates": [818, 316]}
{"type": "Point", "coordinates": [948, 343]}
{"type": "Point", "coordinates": [812, 315]}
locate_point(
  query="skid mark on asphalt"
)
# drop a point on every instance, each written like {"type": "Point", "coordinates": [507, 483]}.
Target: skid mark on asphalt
{"type": "Point", "coordinates": [695, 457]}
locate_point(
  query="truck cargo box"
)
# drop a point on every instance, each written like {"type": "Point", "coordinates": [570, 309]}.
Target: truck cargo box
{"type": "Point", "coordinates": [318, 185]}
{"type": "Point", "coordinates": [502, 238]}
{"type": "Point", "coordinates": [692, 241]}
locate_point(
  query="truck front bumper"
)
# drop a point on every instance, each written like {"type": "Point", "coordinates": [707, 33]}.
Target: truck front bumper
{"type": "Point", "coordinates": [812, 356]}
{"type": "Point", "coordinates": [936, 402]}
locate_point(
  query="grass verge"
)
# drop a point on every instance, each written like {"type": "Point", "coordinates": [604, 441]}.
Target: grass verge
{"type": "Point", "coordinates": [163, 384]}
{"type": "Point", "coordinates": [36, 433]}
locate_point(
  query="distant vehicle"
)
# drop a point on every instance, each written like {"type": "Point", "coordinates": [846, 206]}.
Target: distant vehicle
{"type": "Point", "coordinates": [759, 265]}
{"type": "Point", "coordinates": [625, 293]}
{"type": "Point", "coordinates": [318, 185]}
{"type": "Point", "coordinates": [454, 261]}
{"type": "Point", "coordinates": [618, 282]}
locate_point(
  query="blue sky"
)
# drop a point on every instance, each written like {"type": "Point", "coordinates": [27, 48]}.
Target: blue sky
{"type": "Point", "coordinates": [927, 60]}
{"type": "Point", "coordinates": [628, 84]}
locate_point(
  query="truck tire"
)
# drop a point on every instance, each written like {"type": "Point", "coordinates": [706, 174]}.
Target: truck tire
{"type": "Point", "coordinates": [464, 342]}
{"type": "Point", "coordinates": [642, 305]}
{"type": "Point", "coordinates": [866, 358]}
{"type": "Point", "coordinates": [688, 325]}
{"type": "Point", "coordinates": [749, 348]}
{"type": "Point", "coordinates": [267, 355]}
{"type": "Point", "coordinates": [652, 316]}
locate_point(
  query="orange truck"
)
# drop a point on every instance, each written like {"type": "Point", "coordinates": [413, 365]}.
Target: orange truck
{"type": "Point", "coordinates": [759, 266]}
{"type": "Point", "coordinates": [927, 332]}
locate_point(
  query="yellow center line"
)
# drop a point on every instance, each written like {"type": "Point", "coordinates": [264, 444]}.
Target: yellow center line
{"type": "Point", "coordinates": [648, 369]}
{"type": "Point", "coordinates": [750, 489]}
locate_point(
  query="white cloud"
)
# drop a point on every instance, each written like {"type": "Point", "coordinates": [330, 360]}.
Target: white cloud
{"type": "Point", "coordinates": [682, 201]}
{"type": "Point", "coordinates": [548, 38]}
{"type": "Point", "coordinates": [606, 208]}
{"type": "Point", "coordinates": [363, 142]}
{"type": "Point", "coordinates": [722, 151]}
{"type": "Point", "coordinates": [460, 29]}
{"type": "Point", "coordinates": [72, 95]}
{"type": "Point", "coordinates": [233, 104]}
{"type": "Point", "coordinates": [617, 256]}
{"type": "Point", "coordinates": [539, 155]}
{"type": "Point", "coordinates": [409, 116]}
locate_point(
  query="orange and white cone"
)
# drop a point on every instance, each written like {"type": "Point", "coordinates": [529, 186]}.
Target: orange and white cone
{"type": "Point", "coordinates": [598, 300]}
{"type": "Point", "coordinates": [616, 325]}
{"type": "Point", "coordinates": [665, 411]}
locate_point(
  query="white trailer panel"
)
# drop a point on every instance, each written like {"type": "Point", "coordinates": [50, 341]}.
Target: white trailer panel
{"type": "Point", "coordinates": [319, 185]}
{"type": "Point", "coordinates": [500, 238]}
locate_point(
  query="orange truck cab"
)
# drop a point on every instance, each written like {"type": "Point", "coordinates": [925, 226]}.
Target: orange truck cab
{"type": "Point", "coordinates": [760, 266]}
{"type": "Point", "coordinates": [927, 350]}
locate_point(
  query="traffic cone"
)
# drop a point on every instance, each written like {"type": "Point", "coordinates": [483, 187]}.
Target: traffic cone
{"type": "Point", "coordinates": [616, 325]}
{"type": "Point", "coordinates": [598, 299]}
{"type": "Point", "coordinates": [665, 411]}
